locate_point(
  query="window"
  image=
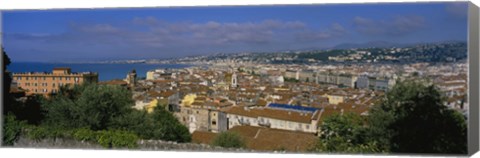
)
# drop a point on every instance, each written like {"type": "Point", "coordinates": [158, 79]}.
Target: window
{"type": "Point", "coordinates": [214, 122]}
{"type": "Point", "coordinates": [307, 126]}
{"type": "Point", "coordinates": [44, 78]}
{"type": "Point", "coordinates": [36, 90]}
{"type": "Point", "coordinates": [67, 78]}
{"type": "Point", "coordinates": [35, 84]}
{"type": "Point", "coordinates": [19, 78]}
{"type": "Point", "coordinates": [76, 79]}
{"type": "Point", "coordinates": [35, 78]}
{"type": "Point", "coordinates": [60, 78]}
{"type": "Point", "coordinates": [26, 78]}
{"type": "Point", "coordinates": [53, 78]}
{"type": "Point", "coordinates": [197, 111]}
{"type": "Point", "coordinates": [53, 84]}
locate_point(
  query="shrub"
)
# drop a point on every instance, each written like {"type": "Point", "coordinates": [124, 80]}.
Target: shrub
{"type": "Point", "coordinates": [228, 140]}
{"type": "Point", "coordinates": [37, 133]}
{"type": "Point", "coordinates": [84, 134]}
{"type": "Point", "coordinates": [11, 130]}
{"type": "Point", "coordinates": [117, 139]}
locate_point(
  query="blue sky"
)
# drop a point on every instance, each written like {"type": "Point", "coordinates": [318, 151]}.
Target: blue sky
{"type": "Point", "coordinates": [100, 34]}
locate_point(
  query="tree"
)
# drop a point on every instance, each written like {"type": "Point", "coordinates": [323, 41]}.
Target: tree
{"type": "Point", "coordinates": [7, 80]}
{"type": "Point", "coordinates": [88, 106]}
{"type": "Point", "coordinates": [229, 140]}
{"type": "Point", "coordinates": [103, 107]}
{"type": "Point", "coordinates": [160, 124]}
{"type": "Point", "coordinates": [30, 110]}
{"type": "Point", "coordinates": [172, 129]}
{"type": "Point", "coordinates": [345, 133]}
{"type": "Point", "coordinates": [414, 119]}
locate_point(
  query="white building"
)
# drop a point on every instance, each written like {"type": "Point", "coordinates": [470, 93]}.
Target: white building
{"type": "Point", "coordinates": [273, 118]}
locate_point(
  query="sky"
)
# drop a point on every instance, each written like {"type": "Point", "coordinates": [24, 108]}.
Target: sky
{"type": "Point", "coordinates": [146, 33]}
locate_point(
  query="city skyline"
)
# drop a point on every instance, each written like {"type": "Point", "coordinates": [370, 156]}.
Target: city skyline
{"type": "Point", "coordinates": [100, 34]}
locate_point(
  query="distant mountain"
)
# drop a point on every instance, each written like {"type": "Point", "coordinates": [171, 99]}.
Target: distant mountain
{"type": "Point", "coordinates": [385, 44]}
{"type": "Point", "coordinates": [378, 44]}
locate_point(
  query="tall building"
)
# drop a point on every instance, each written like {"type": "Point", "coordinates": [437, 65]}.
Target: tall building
{"type": "Point", "coordinates": [131, 78]}
{"type": "Point", "coordinates": [234, 81]}
{"type": "Point", "coordinates": [47, 83]}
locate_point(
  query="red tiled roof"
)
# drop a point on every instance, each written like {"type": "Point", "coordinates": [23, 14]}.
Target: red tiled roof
{"type": "Point", "coordinates": [267, 139]}
{"type": "Point", "coordinates": [61, 68]}
{"type": "Point", "coordinates": [273, 113]}
{"type": "Point", "coordinates": [114, 82]}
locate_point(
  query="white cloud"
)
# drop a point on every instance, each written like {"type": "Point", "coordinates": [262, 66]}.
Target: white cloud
{"type": "Point", "coordinates": [399, 25]}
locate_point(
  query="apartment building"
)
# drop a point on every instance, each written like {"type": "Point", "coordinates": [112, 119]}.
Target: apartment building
{"type": "Point", "coordinates": [284, 119]}
{"type": "Point", "coordinates": [47, 83]}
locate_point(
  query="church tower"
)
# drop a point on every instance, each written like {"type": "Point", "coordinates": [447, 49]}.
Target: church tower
{"type": "Point", "coordinates": [234, 80]}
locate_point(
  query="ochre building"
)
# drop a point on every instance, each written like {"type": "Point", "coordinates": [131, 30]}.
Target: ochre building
{"type": "Point", "coordinates": [49, 83]}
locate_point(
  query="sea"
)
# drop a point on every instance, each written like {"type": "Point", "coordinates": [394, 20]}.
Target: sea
{"type": "Point", "coordinates": [105, 71]}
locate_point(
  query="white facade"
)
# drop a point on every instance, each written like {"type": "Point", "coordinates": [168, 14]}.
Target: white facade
{"type": "Point", "coordinates": [239, 120]}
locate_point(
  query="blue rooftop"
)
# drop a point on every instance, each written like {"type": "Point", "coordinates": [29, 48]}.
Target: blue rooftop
{"type": "Point", "coordinates": [292, 107]}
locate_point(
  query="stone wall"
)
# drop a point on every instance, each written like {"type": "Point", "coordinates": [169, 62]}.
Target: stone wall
{"type": "Point", "coordinates": [61, 143]}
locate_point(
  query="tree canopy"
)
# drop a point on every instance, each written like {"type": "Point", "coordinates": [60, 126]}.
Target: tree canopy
{"type": "Point", "coordinates": [411, 118]}
{"type": "Point", "coordinates": [345, 133]}
{"type": "Point", "coordinates": [105, 107]}
{"type": "Point", "coordinates": [160, 124]}
{"type": "Point", "coordinates": [415, 120]}
{"type": "Point", "coordinates": [88, 106]}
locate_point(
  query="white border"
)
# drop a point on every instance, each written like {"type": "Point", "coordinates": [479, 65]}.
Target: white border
{"type": "Point", "coordinates": [63, 4]}
{"type": "Point", "coordinates": [70, 4]}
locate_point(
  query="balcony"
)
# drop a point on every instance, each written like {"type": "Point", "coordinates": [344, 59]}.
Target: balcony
{"type": "Point", "coordinates": [244, 122]}
{"type": "Point", "coordinates": [263, 123]}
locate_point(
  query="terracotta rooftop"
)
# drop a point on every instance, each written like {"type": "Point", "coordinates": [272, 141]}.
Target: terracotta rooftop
{"type": "Point", "coordinates": [267, 139]}
{"type": "Point", "coordinates": [61, 68]}
{"type": "Point", "coordinates": [273, 113]}
{"type": "Point", "coordinates": [114, 82]}
{"type": "Point", "coordinates": [203, 137]}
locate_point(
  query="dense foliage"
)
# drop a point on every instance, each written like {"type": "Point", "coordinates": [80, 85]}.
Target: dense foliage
{"type": "Point", "coordinates": [229, 140]}
{"type": "Point", "coordinates": [410, 119]}
{"type": "Point", "coordinates": [88, 106]}
{"type": "Point", "coordinates": [345, 133]}
{"type": "Point", "coordinates": [103, 107]}
{"type": "Point", "coordinates": [415, 120]}
{"type": "Point", "coordinates": [11, 129]}
{"type": "Point", "coordinates": [7, 80]}
{"type": "Point", "coordinates": [160, 124]}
